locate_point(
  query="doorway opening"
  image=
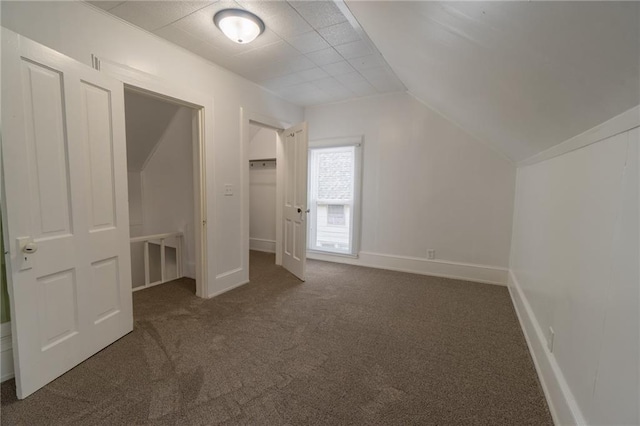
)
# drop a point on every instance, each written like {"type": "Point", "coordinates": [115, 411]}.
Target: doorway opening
{"type": "Point", "coordinates": [262, 188]}
{"type": "Point", "coordinates": [291, 144]}
{"type": "Point", "coordinates": [163, 171]}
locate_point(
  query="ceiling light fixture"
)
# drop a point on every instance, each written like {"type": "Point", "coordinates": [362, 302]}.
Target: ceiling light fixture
{"type": "Point", "coordinates": [239, 25]}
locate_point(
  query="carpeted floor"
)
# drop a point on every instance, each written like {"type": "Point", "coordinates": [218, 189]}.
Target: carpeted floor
{"type": "Point", "coordinates": [351, 345]}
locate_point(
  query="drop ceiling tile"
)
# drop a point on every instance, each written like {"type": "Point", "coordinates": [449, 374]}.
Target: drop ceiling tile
{"type": "Point", "coordinates": [227, 46]}
{"type": "Point", "coordinates": [265, 72]}
{"type": "Point", "coordinates": [312, 74]}
{"type": "Point", "coordinates": [287, 23]}
{"type": "Point", "coordinates": [299, 63]}
{"type": "Point", "coordinates": [304, 88]}
{"type": "Point", "coordinates": [106, 5]}
{"type": "Point", "coordinates": [294, 57]}
{"type": "Point", "coordinates": [200, 23]}
{"type": "Point", "coordinates": [383, 79]}
{"type": "Point", "coordinates": [338, 68]}
{"type": "Point", "coordinates": [264, 9]}
{"type": "Point", "coordinates": [325, 56]}
{"type": "Point", "coordinates": [327, 83]}
{"type": "Point", "coordinates": [308, 42]}
{"type": "Point", "coordinates": [362, 88]}
{"type": "Point", "coordinates": [277, 69]}
{"type": "Point", "coordinates": [151, 15]}
{"type": "Point", "coordinates": [338, 92]}
{"type": "Point", "coordinates": [278, 51]}
{"type": "Point", "coordinates": [367, 62]}
{"type": "Point", "coordinates": [354, 49]}
{"type": "Point", "coordinates": [349, 78]}
{"type": "Point", "coordinates": [319, 14]}
{"type": "Point", "coordinates": [339, 34]}
{"type": "Point", "coordinates": [268, 37]}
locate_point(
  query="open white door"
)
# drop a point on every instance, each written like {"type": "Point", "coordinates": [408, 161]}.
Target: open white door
{"type": "Point", "coordinates": [294, 239]}
{"type": "Point", "coordinates": [65, 209]}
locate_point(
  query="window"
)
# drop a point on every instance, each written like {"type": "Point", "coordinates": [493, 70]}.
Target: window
{"type": "Point", "coordinates": [333, 197]}
{"type": "Point", "coordinates": [335, 214]}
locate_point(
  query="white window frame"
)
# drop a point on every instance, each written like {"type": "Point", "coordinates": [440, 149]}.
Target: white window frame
{"type": "Point", "coordinates": [355, 205]}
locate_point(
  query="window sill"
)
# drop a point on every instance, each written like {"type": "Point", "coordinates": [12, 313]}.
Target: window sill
{"type": "Point", "coordinates": [331, 253]}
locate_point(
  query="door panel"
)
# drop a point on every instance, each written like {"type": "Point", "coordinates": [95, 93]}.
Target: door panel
{"type": "Point", "coordinates": [65, 191]}
{"type": "Point", "coordinates": [296, 143]}
{"type": "Point", "coordinates": [57, 308]}
{"type": "Point", "coordinates": [46, 141]}
{"type": "Point", "coordinates": [106, 287]}
{"type": "Point", "coordinates": [97, 123]}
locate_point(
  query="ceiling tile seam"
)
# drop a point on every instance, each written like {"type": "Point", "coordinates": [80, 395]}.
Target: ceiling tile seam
{"type": "Point", "coordinates": [321, 36]}
{"type": "Point", "coordinates": [282, 38]}
{"type": "Point", "coordinates": [182, 17]}
{"type": "Point", "coordinates": [344, 7]}
{"type": "Point", "coordinates": [311, 25]}
{"type": "Point", "coordinates": [195, 55]}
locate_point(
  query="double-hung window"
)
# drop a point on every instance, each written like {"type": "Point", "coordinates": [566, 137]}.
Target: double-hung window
{"type": "Point", "coordinates": [334, 196]}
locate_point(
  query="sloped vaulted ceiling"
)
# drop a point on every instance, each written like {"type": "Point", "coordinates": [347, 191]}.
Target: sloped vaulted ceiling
{"type": "Point", "coordinates": [522, 76]}
{"type": "Point", "coordinates": [147, 120]}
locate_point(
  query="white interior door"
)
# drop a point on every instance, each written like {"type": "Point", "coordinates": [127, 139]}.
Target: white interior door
{"type": "Point", "coordinates": [294, 239]}
{"type": "Point", "coordinates": [65, 209]}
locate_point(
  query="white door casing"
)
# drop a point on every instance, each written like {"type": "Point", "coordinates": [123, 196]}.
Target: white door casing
{"type": "Point", "coordinates": [65, 186]}
{"type": "Point", "coordinates": [294, 238]}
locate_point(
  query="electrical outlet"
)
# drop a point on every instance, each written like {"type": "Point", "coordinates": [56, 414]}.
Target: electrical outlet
{"type": "Point", "coordinates": [431, 254]}
{"type": "Point", "coordinates": [550, 338]}
{"type": "Point", "coordinates": [228, 189]}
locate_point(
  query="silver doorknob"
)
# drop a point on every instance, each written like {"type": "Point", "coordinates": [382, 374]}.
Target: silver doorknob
{"type": "Point", "coordinates": [30, 248]}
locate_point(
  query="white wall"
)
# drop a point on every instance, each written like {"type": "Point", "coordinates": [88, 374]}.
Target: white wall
{"type": "Point", "coordinates": [146, 120]}
{"type": "Point", "coordinates": [263, 143]}
{"type": "Point", "coordinates": [574, 264]}
{"type": "Point", "coordinates": [134, 180]}
{"type": "Point", "coordinates": [79, 30]}
{"type": "Point", "coordinates": [427, 184]}
{"type": "Point", "coordinates": [262, 202]}
{"type": "Point", "coordinates": [262, 192]}
{"type": "Point", "coordinates": [167, 186]}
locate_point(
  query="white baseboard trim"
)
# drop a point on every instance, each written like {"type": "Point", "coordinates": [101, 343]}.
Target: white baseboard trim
{"type": "Point", "coordinates": [224, 290]}
{"type": "Point", "coordinates": [436, 268]}
{"type": "Point", "coordinates": [6, 353]}
{"type": "Point", "coordinates": [259, 244]}
{"type": "Point", "coordinates": [562, 404]}
{"type": "Point", "coordinates": [228, 281]}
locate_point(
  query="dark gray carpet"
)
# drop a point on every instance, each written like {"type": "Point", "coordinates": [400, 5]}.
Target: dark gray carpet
{"type": "Point", "coordinates": [349, 346]}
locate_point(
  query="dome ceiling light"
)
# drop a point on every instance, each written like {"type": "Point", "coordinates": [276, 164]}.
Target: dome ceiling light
{"type": "Point", "coordinates": [241, 26]}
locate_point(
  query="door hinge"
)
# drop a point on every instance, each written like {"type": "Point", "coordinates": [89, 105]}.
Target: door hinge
{"type": "Point", "coordinates": [204, 223]}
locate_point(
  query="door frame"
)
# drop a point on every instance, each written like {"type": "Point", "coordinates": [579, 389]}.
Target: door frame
{"type": "Point", "coordinates": [202, 131]}
{"type": "Point", "coordinates": [248, 118]}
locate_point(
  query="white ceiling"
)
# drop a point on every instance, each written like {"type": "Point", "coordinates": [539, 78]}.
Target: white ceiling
{"type": "Point", "coordinates": [310, 53]}
{"type": "Point", "coordinates": [146, 121]}
{"type": "Point", "coordinates": [522, 76]}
